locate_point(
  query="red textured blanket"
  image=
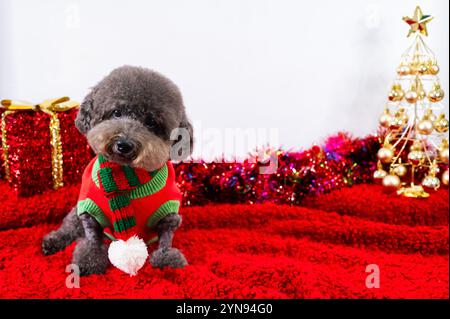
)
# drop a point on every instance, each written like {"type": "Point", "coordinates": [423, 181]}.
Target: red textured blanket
{"type": "Point", "coordinates": [319, 250]}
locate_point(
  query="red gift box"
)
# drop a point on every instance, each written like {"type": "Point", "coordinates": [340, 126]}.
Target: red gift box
{"type": "Point", "coordinates": [41, 147]}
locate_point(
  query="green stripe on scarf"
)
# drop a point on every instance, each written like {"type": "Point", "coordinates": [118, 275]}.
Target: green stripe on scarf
{"type": "Point", "coordinates": [124, 224]}
{"type": "Point", "coordinates": [131, 176]}
{"type": "Point", "coordinates": [108, 183]}
{"type": "Point", "coordinates": [121, 184]}
{"type": "Point", "coordinates": [116, 184]}
{"type": "Point", "coordinates": [118, 202]}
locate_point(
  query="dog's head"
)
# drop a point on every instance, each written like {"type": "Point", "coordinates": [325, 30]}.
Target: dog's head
{"type": "Point", "coordinates": [136, 116]}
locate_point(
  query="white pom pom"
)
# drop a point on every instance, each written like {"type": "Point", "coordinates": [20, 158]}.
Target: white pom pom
{"type": "Point", "coordinates": [129, 256]}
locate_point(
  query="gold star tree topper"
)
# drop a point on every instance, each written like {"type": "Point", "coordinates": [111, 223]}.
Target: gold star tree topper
{"type": "Point", "coordinates": [418, 23]}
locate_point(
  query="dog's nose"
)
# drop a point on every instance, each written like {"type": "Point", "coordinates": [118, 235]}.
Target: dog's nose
{"type": "Point", "coordinates": [123, 147]}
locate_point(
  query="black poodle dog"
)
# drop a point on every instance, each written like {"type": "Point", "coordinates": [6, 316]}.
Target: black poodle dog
{"type": "Point", "coordinates": [129, 118]}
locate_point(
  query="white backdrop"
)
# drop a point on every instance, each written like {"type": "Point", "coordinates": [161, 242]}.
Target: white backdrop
{"type": "Point", "coordinates": [306, 68]}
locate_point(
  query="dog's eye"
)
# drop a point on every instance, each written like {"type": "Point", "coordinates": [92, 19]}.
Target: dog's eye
{"type": "Point", "coordinates": [150, 122]}
{"type": "Point", "coordinates": [117, 113]}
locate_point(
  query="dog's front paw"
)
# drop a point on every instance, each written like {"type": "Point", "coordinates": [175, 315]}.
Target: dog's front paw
{"type": "Point", "coordinates": [168, 257]}
{"type": "Point", "coordinates": [52, 243]}
{"type": "Point", "coordinates": [91, 257]}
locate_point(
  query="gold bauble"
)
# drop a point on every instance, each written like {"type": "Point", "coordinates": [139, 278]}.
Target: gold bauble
{"type": "Point", "coordinates": [433, 70]}
{"type": "Point", "coordinates": [441, 124]}
{"type": "Point", "coordinates": [411, 96]}
{"type": "Point", "coordinates": [422, 69]}
{"type": "Point", "coordinates": [443, 155]}
{"type": "Point", "coordinates": [425, 127]}
{"type": "Point", "coordinates": [396, 122]}
{"type": "Point", "coordinates": [385, 119]}
{"type": "Point", "coordinates": [416, 157]}
{"type": "Point", "coordinates": [379, 174]}
{"type": "Point", "coordinates": [391, 182]}
{"type": "Point", "coordinates": [400, 170]}
{"type": "Point", "coordinates": [431, 182]}
{"type": "Point", "coordinates": [385, 154]}
{"type": "Point", "coordinates": [403, 70]}
{"type": "Point", "coordinates": [443, 151]}
{"type": "Point", "coordinates": [436, 95]}
{"type": "Point", "coordinates": [396, 95]}
{"type": "Point", "coordinates": [444, 178]}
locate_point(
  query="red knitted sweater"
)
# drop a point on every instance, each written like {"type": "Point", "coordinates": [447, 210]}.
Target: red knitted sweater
{"type": "Point", "coordinates": [156, 196]}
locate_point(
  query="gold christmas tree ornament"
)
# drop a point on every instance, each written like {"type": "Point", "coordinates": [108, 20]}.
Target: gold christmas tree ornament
{"type": "Point", "coordinates": [425, 126]}
{"type": "Point", "coordinates": [445, 178]}
{"type": "Point", "coordinates": [400, 170]}
{"type": "Point", "coordinates": [418, 23]}
{"type": "Point", "coordinates": [413, 123]}
{"type": "Point", "coordinates": [433, 69]}
{"type": "Point", "coordinates": [443, 151]}
{"type": "Point", "coordinates": [403, 70]}
{"type": "Point", "coordinates": [379, 174]}
{"type": "Point", "coordinates": [391, 182]}
{"type": "Point", "coordinates": [436, 94]}
{"type": "Point", "coordinates": [396, 93]}
{"type": "Point", "coordinates": [441, 124]}
{"type": "Point", "coordinates": [431, 182]}
{"type": "Point", "coordinates": [385, 118]}
{"type": "Point", "coordinates": [386, 153]}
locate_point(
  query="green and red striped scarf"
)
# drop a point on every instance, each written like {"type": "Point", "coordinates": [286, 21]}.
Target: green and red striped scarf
{"type": "Point", "coordinates": [116, 181]}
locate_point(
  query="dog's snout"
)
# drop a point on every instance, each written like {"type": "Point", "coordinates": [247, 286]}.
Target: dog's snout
{"type": "Point", "coordinates": [124, 147]}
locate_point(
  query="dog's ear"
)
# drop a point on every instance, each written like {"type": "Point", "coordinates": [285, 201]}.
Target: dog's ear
{"type": "Point", "coordinates": [184, 144]}
{"type": "Point", "coordinates": [83, 120]}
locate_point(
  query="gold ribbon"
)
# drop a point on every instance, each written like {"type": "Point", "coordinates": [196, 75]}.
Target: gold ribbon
{"type": "Point", "coordinates": [51, 107]}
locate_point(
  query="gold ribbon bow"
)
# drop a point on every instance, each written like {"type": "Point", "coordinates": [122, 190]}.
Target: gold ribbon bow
{"type": "Point", "coordinates": [51, 107]}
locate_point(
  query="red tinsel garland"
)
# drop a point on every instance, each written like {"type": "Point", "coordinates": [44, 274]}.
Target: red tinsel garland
{"type": "Point", "coordinates": [341, 161]}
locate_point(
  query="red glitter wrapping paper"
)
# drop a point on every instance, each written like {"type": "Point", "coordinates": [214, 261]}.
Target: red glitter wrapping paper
{"type": "Point", "coordinates": [30, 151]}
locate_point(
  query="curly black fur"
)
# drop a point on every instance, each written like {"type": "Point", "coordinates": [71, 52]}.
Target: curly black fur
{"type": "Point", "coordinates": [141, 108]}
